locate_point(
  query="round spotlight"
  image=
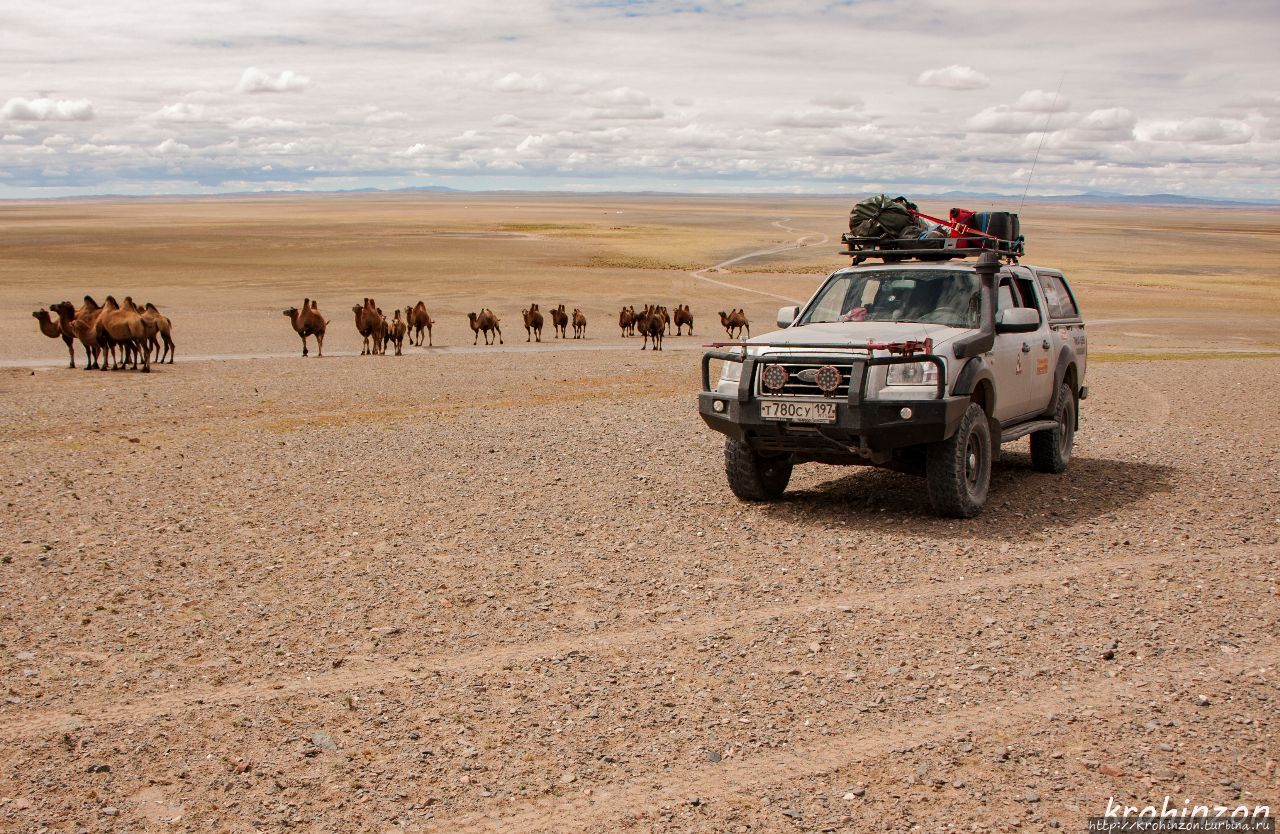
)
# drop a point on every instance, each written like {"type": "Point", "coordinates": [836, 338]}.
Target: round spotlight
{"type": "Point", "coordinates": [905, 413]}
{"type": "Point", "coordinates": [774, 377]}
{"type": "Point", "coordinates": [717, 406]}
{"type": "Point", "coordinates": [828, 379]}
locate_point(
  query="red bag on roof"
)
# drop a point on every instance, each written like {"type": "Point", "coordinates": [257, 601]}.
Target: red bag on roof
{"type": "Point", "coordinates": [960, 220]}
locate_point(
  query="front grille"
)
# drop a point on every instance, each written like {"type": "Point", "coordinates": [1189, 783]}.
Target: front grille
{"type": "Point", "coordinates": [796, 387]}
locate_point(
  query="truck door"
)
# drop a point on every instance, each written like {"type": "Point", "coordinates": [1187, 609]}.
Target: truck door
{"type": "Point", "coordinates": [1010, 359]}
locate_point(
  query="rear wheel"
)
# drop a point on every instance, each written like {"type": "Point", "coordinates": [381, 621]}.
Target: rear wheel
{"type": "Point", "coordinates": [1051, 448]}
{"type": "Point", "coordinates": [753, 476]}
{"type": "Point", "coordinates": [958, 469]}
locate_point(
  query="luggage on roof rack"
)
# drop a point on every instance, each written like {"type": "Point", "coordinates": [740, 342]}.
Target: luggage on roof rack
{"type": "Point", "coordinates": [877, 230]}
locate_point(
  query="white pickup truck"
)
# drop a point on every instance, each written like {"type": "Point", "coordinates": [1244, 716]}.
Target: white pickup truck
{"type": "Point", "coordinates": [924, 367]}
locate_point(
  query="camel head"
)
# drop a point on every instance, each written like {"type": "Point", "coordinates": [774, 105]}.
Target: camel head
{"type": "Point", "coordinates": [472, 316]}
{"type": "Point", "coordinates": [64, 309]}
{"type": "Point", "coordinates": [291, 313]}
{"type": "Point", "coordinates": [397, 314]}
{"type": "Point", "coordinates": [723, 316]}
{"type": "Point", "coordinates": [357, 309]}
{"type": "Point", "coordinates": [42, 315]}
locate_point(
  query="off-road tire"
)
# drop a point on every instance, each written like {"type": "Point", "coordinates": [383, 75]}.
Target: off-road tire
{"type": "Point", "coordinates": [1051, 448]}
{"type": "Point", "coordinates": [752, 476]}
{"type": "Point", "coordinates": [958, 469]}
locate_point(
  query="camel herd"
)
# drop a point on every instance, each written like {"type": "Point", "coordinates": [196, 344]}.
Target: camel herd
{"type": "Point", "coordinates": [114, 335]}
{"type": "Point", "coordinates": [118, 335]}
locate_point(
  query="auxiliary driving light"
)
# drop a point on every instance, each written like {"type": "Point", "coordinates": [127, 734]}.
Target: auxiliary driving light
{"type": "Point", "coordinates": [774, 377]}
{"type": "Point", "coordinates": [905, 414]}
{"type": "Point", "coordinates": [717, 406]}
{"type": "Point", "coordinates": [828, 379]}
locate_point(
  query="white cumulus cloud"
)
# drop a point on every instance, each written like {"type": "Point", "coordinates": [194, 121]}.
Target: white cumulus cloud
{"type": "Point", "coordinates": [1203, 130]}
{"type": "Point", "coordinates": [1040, 101]}
{"type": "Point", "coordinates": [47, 109]}
{"type": "Point", "coordinates": [514, 82]}
{"type": "Point", "coordinates": [180, 112]}
{"type": "Point", "coordinates": [255, 80]}
{"type": "Point", "coordinates": [1003, 119]}
{"type": "Point", "coordinates": [954, 77]}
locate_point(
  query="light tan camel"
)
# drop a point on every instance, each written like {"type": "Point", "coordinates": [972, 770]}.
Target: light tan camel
{"type": "Point", "coordinates": [682, 316]}
{"type": "Point", "coordinates": [53, 329]}
{"type": "Point", "coordinates": [735, 319]}
{"type": "Point", "coordinates": [483, 323]}
{"type": "Point", "coordinates": [579, 324]}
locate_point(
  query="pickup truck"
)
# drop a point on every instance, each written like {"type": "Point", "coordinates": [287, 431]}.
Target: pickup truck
{"type": "Point", "coordinates": [922, 367]}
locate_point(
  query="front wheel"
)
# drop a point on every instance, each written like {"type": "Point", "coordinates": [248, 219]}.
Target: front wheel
{"type": "Point", "coordinates": [752, 476]}
{"type": "Point", "coordinates": [1051, 448]}
{"type": "Point", "coordinates": [958, 469]}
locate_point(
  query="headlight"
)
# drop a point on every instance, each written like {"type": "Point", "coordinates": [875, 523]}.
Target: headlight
{"type": "Point", "coordinates": [730, 376]}
{"type": "Point", "coordinates": [912, 373]}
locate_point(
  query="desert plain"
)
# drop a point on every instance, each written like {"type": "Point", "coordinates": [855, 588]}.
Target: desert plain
{"type": "Point", "coordinates": [506, 588]}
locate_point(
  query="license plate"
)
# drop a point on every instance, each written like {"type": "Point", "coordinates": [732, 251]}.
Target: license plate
{"type": "Point", "coordinates": [800, 412]}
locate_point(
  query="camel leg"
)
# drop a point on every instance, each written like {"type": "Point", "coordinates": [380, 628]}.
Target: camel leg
{"type": "Point", "coordinates": [476, 340]}
{"type": "Point", "coordinates": [71, 349]}
{"type": "Point", "coordinates": [320, 344]}
{"type": "Point", "coordinates": [499, 329]}
{"type": "Point", "coordinates": [429, 342]}
{"type": "Point", "coordinates": [304, 345]}
{"type": "Point", "coordinates": [168, 344]}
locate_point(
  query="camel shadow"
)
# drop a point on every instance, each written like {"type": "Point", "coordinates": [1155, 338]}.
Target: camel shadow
{"type": "Point", "coordinates": [1021, 500]}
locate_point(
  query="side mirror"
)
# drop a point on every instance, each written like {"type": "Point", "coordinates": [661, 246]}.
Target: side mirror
{"type": "Point", "coordinates": [1017, 320]}
{"type": "Point", "coordinates": [787, 315]}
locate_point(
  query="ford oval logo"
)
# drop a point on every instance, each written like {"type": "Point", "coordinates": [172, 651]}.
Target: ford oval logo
{"type": "Point", "coordinates": [809, 375]}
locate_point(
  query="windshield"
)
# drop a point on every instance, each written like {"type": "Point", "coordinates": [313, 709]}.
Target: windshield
{"type": "Point", "coordinates": [928, 296]}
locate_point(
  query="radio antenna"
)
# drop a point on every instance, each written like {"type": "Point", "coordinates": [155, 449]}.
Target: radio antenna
{"type": "Point", "coordinates": [1044, 134]}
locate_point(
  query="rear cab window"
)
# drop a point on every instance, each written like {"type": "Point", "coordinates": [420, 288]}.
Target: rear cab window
{"type": "Point", "coordinates": [1057, 296]}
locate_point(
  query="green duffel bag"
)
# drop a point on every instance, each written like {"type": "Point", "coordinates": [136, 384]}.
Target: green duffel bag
{"type": "Point", "coordinates": [881, 216]}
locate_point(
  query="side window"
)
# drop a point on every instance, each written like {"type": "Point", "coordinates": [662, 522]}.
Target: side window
{"type": "Point", "coordinates": [1056, 296]}
{"type": "Point", "coordinates": [1028, 296]}
{"type": "Point", "coordinates": [1005, 299]}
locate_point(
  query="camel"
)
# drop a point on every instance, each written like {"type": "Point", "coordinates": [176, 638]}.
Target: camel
{"type": "Point", "coordinates": [579, 324]}
{"type": "Point", "coordinates": [84, 327]}
{"type": "Point", "coordinates": [666, 320]}
{"type": "Point", "coordinates": [651, 325]}
{"type": "Point", "coordinates": [123, 328]}
{"type": "Point", "coordinates": [627, 321]}
{"type": "Point", "coordinates": [150, 325]}
{"type": "Point", "coordinates": [683, 317]}
{"type": "Point", "coordinates": [54, 330]}
{"type": "Point", "coordinates": [560, 321]}
{"type": "Point", "coordinates": [372, 326]}
{"type": "Point", "coordinates": [735, 320]}
{"type": "Point", "coordinates": [533, 322]}
{"type": "Point", "coordinates": [418, 320]}
{"type": "Point", "coordinates": [307, 322]}
{"type": "Point", "coordinates": [398, 328]}
{"type": "Point", "coordinates": [165, 328]}
{"type": "Point", "coordinates": [484, 322]}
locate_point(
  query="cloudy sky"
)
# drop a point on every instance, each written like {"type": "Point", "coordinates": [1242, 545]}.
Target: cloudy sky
{"type": "Point", "coordinates": [203, 96]}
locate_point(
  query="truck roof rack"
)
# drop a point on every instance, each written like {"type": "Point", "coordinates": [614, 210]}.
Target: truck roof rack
{"type": "Point", "coordinates": [893, 250]}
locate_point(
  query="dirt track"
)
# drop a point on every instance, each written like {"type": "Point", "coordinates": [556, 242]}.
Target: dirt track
{"type": "Point", "coordinates": [511, 592]}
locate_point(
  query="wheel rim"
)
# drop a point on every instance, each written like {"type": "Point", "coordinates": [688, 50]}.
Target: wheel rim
{"type": "Point", "coordinates": [973, 461]}
{"type": "Point", "coordinates": [1066, 430]}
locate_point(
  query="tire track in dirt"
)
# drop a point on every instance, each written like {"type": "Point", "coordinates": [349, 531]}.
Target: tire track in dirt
{"type": "Point", "coordinates": [701, 275]}
{"type": "Point", "coordinates": [99, 711]}
{"type": "Point", "coordinates": [713, 782]}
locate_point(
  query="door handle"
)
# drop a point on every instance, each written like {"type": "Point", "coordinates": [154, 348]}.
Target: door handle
{"type": "Point", "coordinates": [1045, 344]}
{"type": "Point", "coordinates": [1026, 347]}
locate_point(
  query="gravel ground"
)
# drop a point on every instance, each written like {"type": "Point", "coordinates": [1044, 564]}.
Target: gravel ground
{"type": "Point", "coordinates": [511, 591]}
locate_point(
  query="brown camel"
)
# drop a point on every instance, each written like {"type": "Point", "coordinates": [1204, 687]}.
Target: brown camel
{"type": "Point", "coordinates": [165, 328]}
{"type": "Point", "coordinates": [53, 329]}
{"type": "Point", "coordinates": [666, 320]}
{"type": "Point", "coordinates": [123, 329]}
{"type": "Point", "coordinates": [579, 324]}
{"type": "Point", "coordinates": [651, 325]}
{"type": "Point", "coordinates": [397, 330]}
{"type": "Point", "coordinates": [308, 322]}
{"type": "Point", "coordinates": [484, 322]}
{"type": "Point", "coordinates": [372, 326]}
{"type": "Point", "coordinates": [560, 321]}
{"type": "Point", "coordinates": [532, 322]}
{"type": "Point", "coordinates": [418, 320]}
{"type": "Point", "coordinates": [735, 319]}
{"type": "Point", "coordinates": [682, 317]}
{"type": "Point", "coordinates": [150, 325]}
{"type": "Point", "coordinates": [84, 326]}
{"type": "Point", "coordinates": [627, 321]}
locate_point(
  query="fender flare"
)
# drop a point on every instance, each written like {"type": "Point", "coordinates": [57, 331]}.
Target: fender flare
{"type": "Point", "coordinates": [1065, 361]}
{"type": "Point", "coordinates": [974, 372]}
